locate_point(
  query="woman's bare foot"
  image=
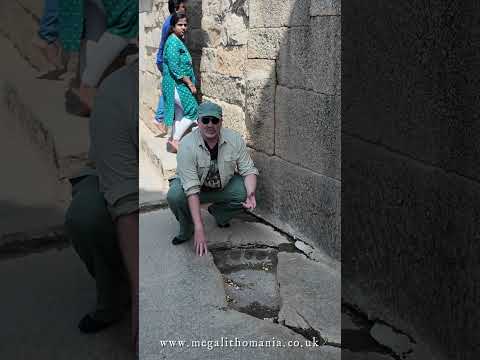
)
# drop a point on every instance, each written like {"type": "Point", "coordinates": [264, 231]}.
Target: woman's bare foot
{"type": "Point", "coordinates": [162, 129]}
{"type": "Point", "coordinates": [87, 94]}
{"type": "Point", "coordinates": [51, 51]}
{"type": "Point", "coordinates": [174, 145]}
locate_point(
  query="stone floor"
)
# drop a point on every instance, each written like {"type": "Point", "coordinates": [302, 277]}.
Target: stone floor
{"type": "Point", "coordinates": [233, 292]}
{"type": "Point", "coordinates": [44, 296]}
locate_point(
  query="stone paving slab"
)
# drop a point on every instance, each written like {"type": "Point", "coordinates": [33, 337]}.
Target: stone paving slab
{"type": "Point", "coordinates": [182, 298]}
{"type": "Point", "coordinates": [152, 187]}
{"type": "Point", "coordinates": [155, 150]}
{"type": "Point", "coordinates": [45, 296]}
{"type": "Point", "coordinates": [310, 293]}
{"type": "Point", "coordinates": [19, 22]}
{"type": "Point", "coordinates": [35, 7]}
{"type": "Point", "coordinates": [39, 106]}
{"type": "Point", "coordinates": [31, 197]}
{"type": "Point", "coordinates": [244, 234]}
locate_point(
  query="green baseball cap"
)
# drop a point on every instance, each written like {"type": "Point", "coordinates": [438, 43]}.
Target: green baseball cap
{"type": "Point", "coordinates": [208, 108]}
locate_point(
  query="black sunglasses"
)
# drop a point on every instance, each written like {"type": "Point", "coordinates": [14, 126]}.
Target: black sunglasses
{"type": "Point", "coordinates": [206, 120]}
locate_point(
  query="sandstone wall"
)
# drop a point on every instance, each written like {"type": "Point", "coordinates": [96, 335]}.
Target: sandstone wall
{"type": "Point", "coordinates": [274, 66]}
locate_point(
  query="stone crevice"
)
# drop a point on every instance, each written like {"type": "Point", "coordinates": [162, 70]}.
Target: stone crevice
{"type": "Point", "coordinates": [367, 325]}
{"type": "Point", "coordinates": [400, 154]}
{"type": "Point", "coordinates": [7, 37]}
{"type": "Point", "coordinates": [306, 89]}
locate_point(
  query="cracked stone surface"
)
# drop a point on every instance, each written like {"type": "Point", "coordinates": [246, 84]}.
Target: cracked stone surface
{"type": "Point", "coordinates": [242, 233]}
{"type": "Point", "coordinates": [152, 187]}
{"type": "Point", "coordinates": [48, 293]}
{"type": "Point", "coordinates": [182, 297]}
{"type": "Point", "coordinates": [310, 293]}
{"type": "Point", "coordinates": [250, 280]}
{"type": "Point", "coordinates": [385, 335]}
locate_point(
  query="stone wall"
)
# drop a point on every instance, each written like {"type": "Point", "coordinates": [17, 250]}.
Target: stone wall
{"type": "Point", "coordinates": [274, 67]}
{"type": "Point", "coordinates": [410, 171]}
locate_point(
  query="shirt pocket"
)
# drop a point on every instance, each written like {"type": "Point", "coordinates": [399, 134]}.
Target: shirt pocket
{"type": "Point", "coordinates": [202, 169]}
{"type": "Point", "coordinates": [229, 165]}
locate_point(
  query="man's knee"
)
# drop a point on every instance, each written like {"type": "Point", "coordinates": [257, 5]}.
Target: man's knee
{"type": "Point", "coordinates": [88, 215]}
{"type": "Point", "coordinates": [237, 192]}
{"type": "Point", "coordinates": [176, 196]}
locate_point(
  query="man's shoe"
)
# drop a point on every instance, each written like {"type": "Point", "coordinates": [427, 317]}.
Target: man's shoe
{"type": "Point", "coordinates": [226, 225]}
{"type": "Point", "coordinates": [90, 325]}
{"type": "Point", "coordinates": [177, 241]}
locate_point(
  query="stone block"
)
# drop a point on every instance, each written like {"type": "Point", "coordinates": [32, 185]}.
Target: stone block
{"type": "Point", "coordinates": [211, 8]}
{"type": "Point", "coordinates": [227, 61]}
{"type": "Point", "coordinates": [310, 293]}
{"type": "Point", "coordinates": [302, 203]}
{"type": "Point", "coordinates": [19, 26]}
{"type": "Point", "coordinates": [278, 13]}
{"type": "Point", "coordinates": [233, 115]}
{"type": "Point", "coordinates": [150, 19]}
{"type": "Point", "coordinates": [152, 37]}
{"type": "Point", "coordinates": [260, 105]}
{"type": "Point", "coordinates": [265, 194]}
{"type": "Point", "coordinates": [212, 30]}
{"type": "Point", "coordinates": [410, 106]}
{"type": "Point", "coordinates": [145, 6]}
{"type": "Point", "coordinates": [310, 58]}
{"type": "Point", "coordinates": [150, 59]}
{"type": "Point", "coordinates": [265, 43]}
{"type": "Point", "coordinates": [325, 7]}
{"type": "Point", "coordinates": [307, 130]}
{"type": "Point", "coordinates": [401, 219]}
{"type": "Point", "coordinates": [244, 234]}
{"type": "Point", "coordinates": [146, 113]}
{"type": "Point", "coordinates": [148, 89]}
{"type": "Point", "coordinates": [141, 22]}
{"type": "Point", "coordinates": [225, 88]}
{"type": "Point", "coordinates": [141, 58]}
{"type": "Point", "coordinates": [234, 31]}
{"type": "Point", "coordinates": [196, 40]}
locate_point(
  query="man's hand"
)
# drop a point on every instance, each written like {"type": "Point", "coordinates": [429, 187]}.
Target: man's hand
{"type": "Point", "coordinates": [250, 203]}
{"type": "Point", "coordinates": [200, 242]}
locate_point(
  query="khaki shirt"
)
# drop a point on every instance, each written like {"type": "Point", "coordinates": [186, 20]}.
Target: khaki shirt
{"type": "Point", "coordinates": [114, 139]}
{"type": "Point", "coordinates": [193, 159]}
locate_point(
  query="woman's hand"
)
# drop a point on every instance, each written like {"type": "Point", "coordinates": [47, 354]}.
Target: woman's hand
{"type": "Point", "coordinates": [192, 88]}
{"type": "Point", "coordinates": [190, 85]}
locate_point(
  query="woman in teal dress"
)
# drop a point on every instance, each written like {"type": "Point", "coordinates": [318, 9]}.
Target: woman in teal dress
{"type": "Point", "coordinates": [111, 24]}
{"type": "Point", "coordinates": [178, 84]}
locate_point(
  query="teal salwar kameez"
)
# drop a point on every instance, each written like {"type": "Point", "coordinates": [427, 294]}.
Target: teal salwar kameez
{"type": "Point", "coordinates": [177, 63]}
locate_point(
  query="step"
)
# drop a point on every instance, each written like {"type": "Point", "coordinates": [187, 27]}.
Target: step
{"type": "Point", "coordinates": [19, 21]}
{"type": "Point", "coordinates": [152, 187]}
{"type": "Point", "coordinates": [155, 149]}
{"type": "Point", "coordinates": [39, 106]}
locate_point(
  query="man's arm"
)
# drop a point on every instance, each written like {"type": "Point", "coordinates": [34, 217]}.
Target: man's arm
{"type": "Point", "coordinates": [247, 169]}
{"type": "Point", "coordinates": [251, 186]}
{"type": "Point", "coordinates": [200, 241]}
{"type": "Point", "coordinates": [127, 233]}
{"type": "Point", "coordinates": [187, 171]}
